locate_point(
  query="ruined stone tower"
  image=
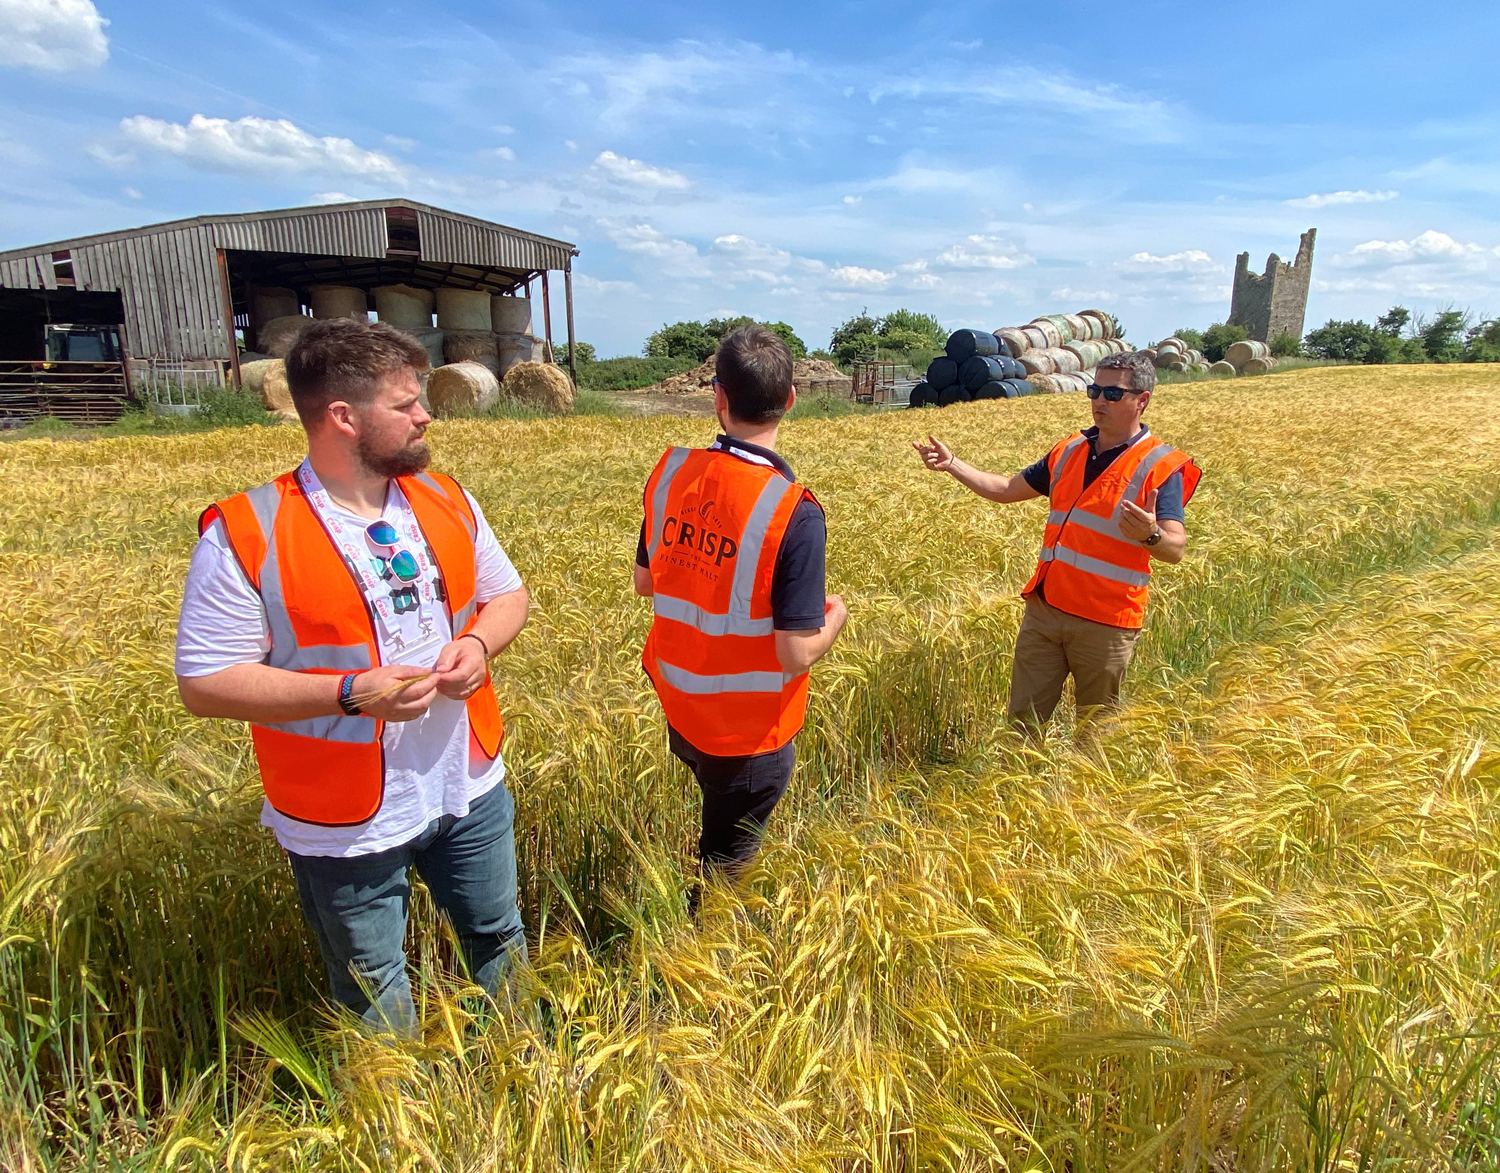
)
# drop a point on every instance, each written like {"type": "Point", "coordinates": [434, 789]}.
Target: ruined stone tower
{"type": "Point", "coordinates": [1274, 302]}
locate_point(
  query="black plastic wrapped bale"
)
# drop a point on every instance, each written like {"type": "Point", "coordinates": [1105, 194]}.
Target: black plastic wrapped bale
{"type": "Point", "coordinates": [975, 372]}
{"type": "Point", "coordinates": [948, 396]}
{"type": "Point", "coordinates": [1004, 347]}
{"type": "Point", "coordinates": [942, 373]}
{"type": "Point", "coordinates": [1013, 369]}
{"type": "Point", "coordinates": [1023, 387]}
{"type": "Point", "coordinates": [964, 344]}
{"type": "Point", "coordinates": [994, 389]}
{"type": "Point", "coordinates": [922, 395]}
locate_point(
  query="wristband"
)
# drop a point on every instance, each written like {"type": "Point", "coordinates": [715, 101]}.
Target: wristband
{"type": "Point", "coordinates": [346, 696]}
{"type": "Point", "coordinates": [480, 642]}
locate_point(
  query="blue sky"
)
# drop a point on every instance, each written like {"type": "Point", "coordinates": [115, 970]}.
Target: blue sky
{"type": "Point", "coordinates": [985, 163]}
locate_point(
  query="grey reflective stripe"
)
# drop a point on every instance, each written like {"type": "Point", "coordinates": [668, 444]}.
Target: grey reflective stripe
{"type": "Point", "coordinates": [1096, 566]}
{"type": "Point", "coordinates": [265, 500]}
{"type": "Point", "coordinates": [462, 616]}
{"type": "Point", "coordinates": [1100, 525]}
{"type": "Point", "coordinates": [1056, 470]}
{"type": "Point", "coordinates": [747, 558]}
{"type": "Point", "coordinates": [675, 460]}
{"type": "Point", "coordinates": [286, 654]}
{"type": "Point", "coordinates": [1142, 470]}
{"type": "Point", "coordinates": [706, 621]}
{"type": "Point", "coordinates": [684, 681]}
{"type": "Point", "coordinates": [460, 507]}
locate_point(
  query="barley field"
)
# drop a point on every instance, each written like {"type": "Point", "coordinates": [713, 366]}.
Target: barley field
{"type": "Point", "coordinates": [1254, 925]}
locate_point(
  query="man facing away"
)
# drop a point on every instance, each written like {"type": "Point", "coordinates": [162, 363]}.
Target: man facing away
{"type": "Point", "coordinates": [731, 554]}
{"type": "Point", "coordinates": [347, 610]}
{"type": "Point", "coordinates": [1117, 498]}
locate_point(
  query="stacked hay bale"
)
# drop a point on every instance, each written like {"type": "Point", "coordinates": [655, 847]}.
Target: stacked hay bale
{"type": "Point", "coordinates": [1173, 354]}
{"type": "Point", "coordinates": [462, 388]}
{"type": "Point", "coordinates": [409, 309]}
{"type": "Point", "coordinates": [1249, 357]}
{"type": "Point", "coordinates": [265, 379]}
{"type": "Point", "coordinates": [1061, 351]}
{"type": "Point", "coordinates": [339, 301]}
{"type": "Point", "coordinates": [976, 365]}
{"type": "Point", "coordinates": [510, 322]}
{"type": "Point", "coordinates": [277, 336]}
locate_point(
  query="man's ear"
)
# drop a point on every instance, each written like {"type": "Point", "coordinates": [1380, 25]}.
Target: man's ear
{"type": "Point", "coordinates": [791, 398]}
{"type": "Point", "coordinates": [340, 415]}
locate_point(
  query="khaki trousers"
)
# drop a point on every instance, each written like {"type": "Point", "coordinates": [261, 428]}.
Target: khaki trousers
{"type": "Point", "coordinates": [1052, 645]}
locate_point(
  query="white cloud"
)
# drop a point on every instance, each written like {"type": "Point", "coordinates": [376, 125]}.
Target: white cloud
{"type": "Point", "coordinates": [742, 250]}
{"type": "Point", "coordinates": [1429, 246]}
{"type": "Point", "coordinates": [1189, 260]}
{"type": "Point", "coordinates": [332, 197]}
{"type": "Point", "coordinates": [983, 252]}
{"type": "Point", "coordinates": [670, 256]}
{"type": "Point", "coordinates": [52, 35]}
{"type": "Point", "coordinates": [570, 144]}
{"type": "Point", "coordinates": [636, 172]}
{"type": "Point", "coordinates": [852, 200]}
{"type": "Point", "coordinates": [400, 142]}
{"type": "Point", "coordinates": [503, 128]}
{"type": "Point", "coordinates": [857, 278]}
{"type": "Point", "coordinates": [132, 193]}
{"type": "Point", "coordinates": [1333, 199]}
{"type": "Point", "coordinates": [259, 146]}
{"type": "Point", "coordinates": [504, 153]}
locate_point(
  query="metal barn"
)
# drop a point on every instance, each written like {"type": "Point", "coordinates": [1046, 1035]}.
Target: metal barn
{"type": "Point", "coordinates": [84, 321]}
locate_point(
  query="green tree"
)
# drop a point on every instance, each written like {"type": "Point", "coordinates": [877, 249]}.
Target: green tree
{"type": "Point", "coordinates": [1286, 345]}
{"type": "Point", "coordinates": [789, 336]}
{"type": "Point", "coordinates": [900, 330]}
{"type": "Point", "coordinates": [911, 323]}
{"type": "Point", "coordinates": [1193, 338]}
{"type": "Point", "coordinates": [1443, 335]}
{"type": "Point", "coordinates": [1218, 338]}
{"type": "Point", "coordinates": [691, 340]}
{"type": "Point", "coordinates": [1393, 321]}
{"type": "Point", "coordinates": [586, 354]}
{"type": "Point", "coordinates": [1483, 343]}
{"type": "Point", "coordinates": [1351, 341]}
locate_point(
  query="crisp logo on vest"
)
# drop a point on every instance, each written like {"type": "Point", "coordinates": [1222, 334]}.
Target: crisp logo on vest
{"type": "Point", "coordinates": [695, 541]}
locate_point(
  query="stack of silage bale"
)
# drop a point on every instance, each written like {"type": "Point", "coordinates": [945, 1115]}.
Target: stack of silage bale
{"type": "Point", "coordinates": [1240, 358]}
{"type": "Point", "coordinates": [1173, 354]}
{"type": "Point", "coordinates": [975, 365]}
{"type": "Point", "coordinates": [1249, 357]}
{"type": "Point", "coordinates": [1059, 352]}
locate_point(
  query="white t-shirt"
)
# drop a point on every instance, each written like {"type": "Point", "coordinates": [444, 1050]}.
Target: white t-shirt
{"type": "Point", "coordinates": [433, 766]}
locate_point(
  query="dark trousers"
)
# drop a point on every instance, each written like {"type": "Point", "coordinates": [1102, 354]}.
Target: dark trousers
{"type": "Point", "coordinates": [738, 797]}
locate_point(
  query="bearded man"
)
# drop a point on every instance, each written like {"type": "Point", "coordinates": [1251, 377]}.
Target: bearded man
{"type": "Point", "coordinates": [348, 610]}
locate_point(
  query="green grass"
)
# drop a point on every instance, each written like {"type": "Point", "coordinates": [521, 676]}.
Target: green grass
{"type": "Point", "coordinates": [1282, 367]}
{"type": "Point", "coordinates": [222, 408]}
{"type": "Point", "coordinates": [629, 373]}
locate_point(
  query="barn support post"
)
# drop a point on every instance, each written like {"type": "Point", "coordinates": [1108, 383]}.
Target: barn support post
{"type": "Point", "coordinates": [547, 317]}
{"type": "Point", "coordinates": [234, 351]}
{"type": "Point", "coordinates": [572, 344]}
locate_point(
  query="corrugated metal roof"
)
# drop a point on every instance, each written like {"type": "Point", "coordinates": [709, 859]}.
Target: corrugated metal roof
{"type": "Point", "coordinates": [352, 227]}
{"type": "Point", "coordinates": [168, 274]}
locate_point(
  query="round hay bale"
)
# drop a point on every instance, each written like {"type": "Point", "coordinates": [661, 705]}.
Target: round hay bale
{"type": "Point", "coordinates": [471, 346]}
{"type": "Point", "coordinates": [1108, 326]}
{"type": "Point", "coordinates": [1257, 366]}
{"type": "Point", "coordinates": [948, 396]}
{"type": "Point", "coordinates": [272, 301]}
{"type": "Point", "coordinates": [1239, 353]}
{"type": "Point", "coordinates": [431, 341]}
{"type": "Point", "coordinates": [965, 344]}
{"type": "Point", "coordinates": [460, 387]}
{"type": "Point", "coordinates": [1080, 327]}
{"type": "Point", "coordinates": [1176, 344]}
{"type": "Point", "coordinates": [921, 395]}
{"type": "Point", "coordinates": [516, 348]}
{"type": "Point", "coordinates": [404, 306]}
{"type": "Point", "coordinates": [1051, 335]}
{"type": "Point", "coordinates": [1015, 339]}
{"type": "Point", "coordinates": [463, 309]}
{"type": "Point", "coordinates": [991, 389]}
{"type": "Point", "coordinates": [1043, 384]}
{"type": "Point", "coordinates": [975, 372]}
{"type": "Point", "coordinates": [1064, 362]}
{"type": "Point", "coordinates": [541, 384]}
{"type": "Point", "coordinates": [1195, 358]}
{"type": "Point", "coordinates": [510, 315]}
{"type": "Point", "coordinates": [339, 301]}
{"type": "Point", "coordinates": [279, 335]}
{"type": "Point", "coordinates": [942, 373]}
{"type": "Point", "coordinates": [1177, 364]}
{"type": "Point", "coordinates": [1221, 368]}
{"type": "Point", "coordinates": [1035, 338]}
{"type": "Point", "coordinates": [1037, 362]}
{"type": "Point", "coordinates": [265, 379]}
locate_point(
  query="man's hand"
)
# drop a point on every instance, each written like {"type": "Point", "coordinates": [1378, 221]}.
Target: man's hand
{"type": "Point", "coordinates": [405, 704]}
{"type": "Point", "coordinates": [797, 651]}
{"type": "Point", "coordinates": [835, 613]}
{"type": "Point", "coordinates": [935, 454]}
{"type": "Point", "coordinates": [461, 669]}
{"type": "Point", "coordinates": [1136, 523]}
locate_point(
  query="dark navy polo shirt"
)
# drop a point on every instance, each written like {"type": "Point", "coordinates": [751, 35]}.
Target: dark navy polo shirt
{"type": "Point", "coordinates": [798, 584]}
{"type": "Point", "coordinates": [1169, 505]}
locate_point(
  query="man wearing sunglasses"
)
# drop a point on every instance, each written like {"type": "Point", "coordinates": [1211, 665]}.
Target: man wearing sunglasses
{"type": "Point", "coordinates": [1117, 498]}
{"type": "Point", "coordinates": [348, 610]}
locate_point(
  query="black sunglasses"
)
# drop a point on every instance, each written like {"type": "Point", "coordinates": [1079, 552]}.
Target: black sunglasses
{"type": "Point", "coordinates": [1111, 394]}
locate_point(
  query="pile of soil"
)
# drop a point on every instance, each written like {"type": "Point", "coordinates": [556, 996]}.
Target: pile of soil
{"type": "Point", "coordinates": [700, 378]}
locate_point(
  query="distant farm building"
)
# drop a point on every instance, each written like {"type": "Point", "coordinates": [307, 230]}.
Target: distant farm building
{"type": "Point", "coordinates": [85, 321]}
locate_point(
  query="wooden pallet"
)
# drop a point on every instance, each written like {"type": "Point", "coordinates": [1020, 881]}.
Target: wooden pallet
{"type": "Point", "coordinates": [79, 392]}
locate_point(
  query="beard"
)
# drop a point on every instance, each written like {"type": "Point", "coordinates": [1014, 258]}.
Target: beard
{"type": "Point", "coordinates": [405, 462]}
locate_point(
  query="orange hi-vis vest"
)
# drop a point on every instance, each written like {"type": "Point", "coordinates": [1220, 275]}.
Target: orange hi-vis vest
{"type": "Point", "coordinates": [331, 770]}
{"type": "Point", "coordinates": [714, 524]}
{"type": "Point", "coordinates": [1089, 568]}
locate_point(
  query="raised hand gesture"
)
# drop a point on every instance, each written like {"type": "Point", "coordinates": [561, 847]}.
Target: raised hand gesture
{"type": "Point", "coordinates": [1136, 523]}
{"type": "Point", "coordinates": [935, 454]}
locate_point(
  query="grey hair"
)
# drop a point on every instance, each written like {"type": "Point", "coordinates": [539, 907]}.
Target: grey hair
{"type": "Point", "coordinates": [1142, 369]}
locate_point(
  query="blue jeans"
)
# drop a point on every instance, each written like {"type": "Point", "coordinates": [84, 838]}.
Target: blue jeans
{"type": "Point", "coordinates": [357, 908]}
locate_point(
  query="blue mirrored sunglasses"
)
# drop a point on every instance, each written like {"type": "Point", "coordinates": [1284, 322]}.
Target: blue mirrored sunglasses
{"type": "Point", "coordinates": [382, 533]}
{"type": "Point", "coordinates": [400, 565]}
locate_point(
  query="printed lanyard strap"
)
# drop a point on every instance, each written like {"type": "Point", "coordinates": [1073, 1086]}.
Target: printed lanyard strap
{"type": "Point", "coordinates": [376, 590]}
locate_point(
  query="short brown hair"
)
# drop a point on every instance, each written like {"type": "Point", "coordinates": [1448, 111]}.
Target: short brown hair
{"type": "Point", "coordinates": [754, 367]}
{"type": "Point", "coordinates": [342, 358]}
{"type": "Point", "coordinates": [1142, 370]}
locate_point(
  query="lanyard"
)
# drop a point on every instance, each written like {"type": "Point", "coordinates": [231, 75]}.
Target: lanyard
{"type": "Point", "coordinates": [376, 590]}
